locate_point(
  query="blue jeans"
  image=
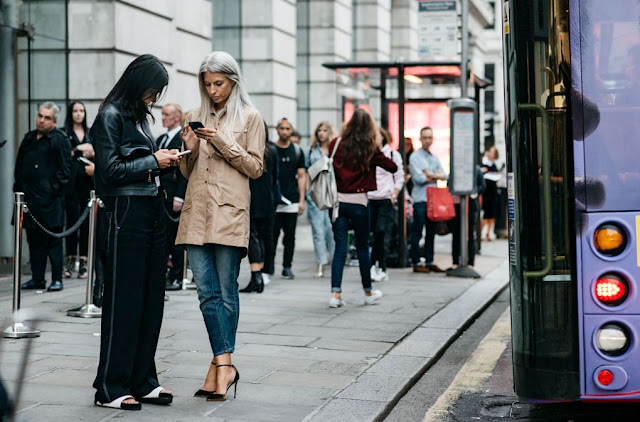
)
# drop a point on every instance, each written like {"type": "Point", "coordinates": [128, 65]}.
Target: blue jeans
{"type": "Point", "coordinates": [421, 221]}
{"type": "Point", "coordinates": [323, 243]}
{"type": "Point", "coordinates": [215, 269]}
{"type": "Point", "coordinates": [358, 217]}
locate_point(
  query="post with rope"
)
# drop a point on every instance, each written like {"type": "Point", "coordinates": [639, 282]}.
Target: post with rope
{"type": "Point", "coordinates": [18, 329]}
{"type": "Point", "coordinates": [89, 310]}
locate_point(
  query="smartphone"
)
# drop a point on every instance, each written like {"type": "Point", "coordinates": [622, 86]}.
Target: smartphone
{"type": "Point", "coordinates": [196, 125]}
{"type": "Point", "coordinates": [84, 161]}
{"type": "Point", "coordinates": [180, 154]}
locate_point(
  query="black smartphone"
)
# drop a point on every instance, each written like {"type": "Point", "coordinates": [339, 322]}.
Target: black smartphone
{"type": "Point", "coordinates": [196, 125]}
{"type": "Point", "coordinates": [84, 161]}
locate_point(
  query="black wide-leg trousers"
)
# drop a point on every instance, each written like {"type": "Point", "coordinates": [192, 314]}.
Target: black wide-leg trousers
{"type": "Point", "coordinates": [133, 296]}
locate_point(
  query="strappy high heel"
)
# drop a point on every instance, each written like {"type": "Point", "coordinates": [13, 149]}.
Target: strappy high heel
{"type": "Point", "coordinates": [223, 397]}
{"type": "Point", "coordinates": [204, 393]}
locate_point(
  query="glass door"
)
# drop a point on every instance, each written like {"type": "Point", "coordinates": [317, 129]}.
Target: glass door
{"type": "Point", "coordinates": [540, 186]}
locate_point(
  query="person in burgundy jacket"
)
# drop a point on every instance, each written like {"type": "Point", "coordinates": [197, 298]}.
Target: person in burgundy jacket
{"type": "Point", "coordinates": [355, 163]}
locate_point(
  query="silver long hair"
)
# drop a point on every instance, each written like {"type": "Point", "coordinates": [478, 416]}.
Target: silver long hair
{"type": "Point", "coordinates": [224, 63]}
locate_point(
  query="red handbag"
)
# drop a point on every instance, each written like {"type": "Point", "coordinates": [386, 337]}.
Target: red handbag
{"type": "Point", "coordinates": [439, 204]}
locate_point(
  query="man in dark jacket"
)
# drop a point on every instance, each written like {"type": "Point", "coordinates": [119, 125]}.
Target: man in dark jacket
{"type": "Point", "coordinates": [175, 187]}
{"type": "Point", "coordinates": [42, 170]}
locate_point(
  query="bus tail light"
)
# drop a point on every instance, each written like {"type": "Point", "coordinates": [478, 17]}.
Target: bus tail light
{"type": "Point", "coordinates": [613, 339]}
{"type": "Point", "coordinates": [611, 289]}
{"type": "Point", "coordinates": [610, 239]}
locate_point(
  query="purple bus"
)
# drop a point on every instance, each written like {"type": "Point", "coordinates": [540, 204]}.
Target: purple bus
{"type": "Point", "coordinates": [572, 104]}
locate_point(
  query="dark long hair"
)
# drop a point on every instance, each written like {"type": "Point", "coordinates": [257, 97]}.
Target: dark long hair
{"type": "Point", "coordinates": [359, 139]}
{"type": "Point", "coordinates": [68, 120]}
{"type": "Point", "coordinates": [145, 75]}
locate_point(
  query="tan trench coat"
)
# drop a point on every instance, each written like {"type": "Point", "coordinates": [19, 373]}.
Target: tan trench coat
{"type": "Point", "coordinates": [216, 205]}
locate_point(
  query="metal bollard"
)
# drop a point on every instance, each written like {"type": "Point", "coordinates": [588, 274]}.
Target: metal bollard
{"type": "Point", "coordinates": [89, 310]}
{"type": "Point", "coordinates": [18, 329]}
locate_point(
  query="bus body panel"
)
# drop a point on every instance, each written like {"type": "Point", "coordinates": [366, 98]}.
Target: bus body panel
{"type": "Point", "coordinates": [605, 99]}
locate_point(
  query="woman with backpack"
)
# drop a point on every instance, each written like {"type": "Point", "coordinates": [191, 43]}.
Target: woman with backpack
{"type": "Point", "coordinates": [355, 160]}
{"type": "Point", "coordinates": [323, 243]}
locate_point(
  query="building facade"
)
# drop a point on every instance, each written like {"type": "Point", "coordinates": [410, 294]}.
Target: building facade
{"type": "Point", "coordinates": [76, 49]}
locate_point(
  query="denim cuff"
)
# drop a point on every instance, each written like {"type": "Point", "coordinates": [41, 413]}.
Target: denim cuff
{"type": "Point", "coordinates": [368, 289]}
{"type": "Point", "coordinates": [336, 290]}
{"type": "Point", "coordinates": [223, 352]}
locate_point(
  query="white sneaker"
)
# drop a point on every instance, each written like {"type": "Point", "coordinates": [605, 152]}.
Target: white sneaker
{"type": "Point", "coordinates": [383, 276]}
{"type": "Point", "coordinates": [336, 303]}
{"type": "Point", "coordinates": [375, 274]}
{"type": "Point", "coordinates": [266, 278]}
{"type": "Point", "coordinates": [375, 295]}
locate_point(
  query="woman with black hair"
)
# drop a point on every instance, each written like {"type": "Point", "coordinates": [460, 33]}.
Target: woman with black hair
{"type": "Point", "coordinates": [356, 158]}
{"type": "Point", "coordinates": [262, 211]}
{"type": "Point", "coordinates": [79, 187]}
{"type": "Point", "coordinates": [128, 166]}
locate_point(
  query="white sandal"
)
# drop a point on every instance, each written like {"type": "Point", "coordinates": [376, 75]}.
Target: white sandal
{"type": "Point", "coordinates": [119, 403]}
{"type": "Point", "coordinates": [156, 396]}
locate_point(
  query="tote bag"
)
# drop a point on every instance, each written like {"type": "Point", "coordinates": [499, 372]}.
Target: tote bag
{"type": "Point", "coordinates": [323, 188]}
{"type": "Point", "coordinates": [439, 204]}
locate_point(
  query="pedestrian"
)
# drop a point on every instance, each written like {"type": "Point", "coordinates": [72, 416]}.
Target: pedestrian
{"type": "Point", "coordinates": [356, 158]}
{"type": "Point", "coordinates": [127, 179]}
{"type": "Point", "coordinates": [321, 229]}
{"type": "Point", "coordinates": [42, 171]}
{"type": "Point", "coordinates": [382, 204]}
{"type": "Point", "coordinates": [263, 210]}
{"type": "Point", "coordinates": [408, 150]}
{"type": "Point", "coordinates": [490, 196]}
{"type": "Point", "coordinates": [295, 137]}
{"type": "Point", "coordinates": [454, 223]}
{"type": "Point", "coordinates": [214, 225]}
{"type": "Point", "coordinates": [175, 187]}
{"type": "Point", "coordinates": [293, 185]}
{"type": "Point", "coordinates": [79, 187]}
{"type": "Point", "coordinates": [426, 170]}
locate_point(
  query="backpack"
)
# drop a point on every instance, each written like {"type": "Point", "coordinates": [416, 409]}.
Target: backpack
{"type": "Point", "coordinates": [323, 188]}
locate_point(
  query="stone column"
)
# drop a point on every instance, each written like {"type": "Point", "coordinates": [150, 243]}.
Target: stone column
{"type": "Point", "coordinates": [268, 56]}
{"type": "Point", "coordinates": [372, 39]}
{"type": "Point", "coordinates": [324, 35]}
{"type": "Point", "coordinates": [404, 30]}
{"type": "Point", "coordinates": [9, 20]}
{"type": "Point", "coordinates": [371, 30]}
{"type": "Point", "coordinates": [169, 29]}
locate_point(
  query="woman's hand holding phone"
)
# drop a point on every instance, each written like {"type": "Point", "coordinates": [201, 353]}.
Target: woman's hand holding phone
{"type": "Point", "coordinates": [167, 158]}
{"type": "Point", "coordinates": [206, 133]}
{"type": "Point", "coordinates": [190, 138]}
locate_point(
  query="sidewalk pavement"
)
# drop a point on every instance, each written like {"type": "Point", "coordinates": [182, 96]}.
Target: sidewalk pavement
{"type": "Point", "coordinates": [299, 360]}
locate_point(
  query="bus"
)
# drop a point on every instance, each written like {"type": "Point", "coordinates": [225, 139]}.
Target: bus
{"type": "Point", "coordinates": [572, 122]}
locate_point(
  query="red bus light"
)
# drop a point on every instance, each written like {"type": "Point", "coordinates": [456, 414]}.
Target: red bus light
{"type": "Point", "coordinates": [611, 289]}
{"type": "Point", "coordinates": [605, 377]}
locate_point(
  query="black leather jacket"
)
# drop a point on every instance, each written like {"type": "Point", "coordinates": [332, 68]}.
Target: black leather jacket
{"type": "Point", "coordinates": [125, 164]}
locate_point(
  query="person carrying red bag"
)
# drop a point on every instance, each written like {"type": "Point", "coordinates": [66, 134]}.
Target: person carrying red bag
{"type": "Point", "coordinates": [426, 170]}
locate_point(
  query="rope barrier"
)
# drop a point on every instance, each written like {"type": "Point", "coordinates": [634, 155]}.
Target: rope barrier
{"type": "Point", "coordinates": [65, 233]}
{"type": "Point", "coordinates": [175, 220]}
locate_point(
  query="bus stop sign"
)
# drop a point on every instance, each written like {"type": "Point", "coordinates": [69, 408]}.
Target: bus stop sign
{"type": "Point", "coordinates": [464, 139]}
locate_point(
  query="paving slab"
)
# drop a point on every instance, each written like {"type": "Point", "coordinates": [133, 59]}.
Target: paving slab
{"type": "Point", "coordinates": [298, 358]}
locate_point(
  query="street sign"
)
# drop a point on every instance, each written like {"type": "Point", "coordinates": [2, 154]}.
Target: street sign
{"type": "Point", "coordinates": [438, 30]}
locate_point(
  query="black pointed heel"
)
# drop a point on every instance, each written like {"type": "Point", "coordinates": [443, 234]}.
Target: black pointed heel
{"type": "Point", "coordinates": [204, 393]}
{"type": "Point", "coordinates": [234, 383]}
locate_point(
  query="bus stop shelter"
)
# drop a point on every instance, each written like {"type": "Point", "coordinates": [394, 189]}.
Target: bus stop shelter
{"type": "Point", "coordinates": [404, 97]}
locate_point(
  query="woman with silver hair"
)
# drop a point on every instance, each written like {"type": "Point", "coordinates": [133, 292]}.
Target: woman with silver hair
{"type": "Point", "coordinates": [226, 137]}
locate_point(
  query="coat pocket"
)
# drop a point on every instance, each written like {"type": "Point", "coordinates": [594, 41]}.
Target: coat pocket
{"type": "Point", "coordinates": [231, 220]}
